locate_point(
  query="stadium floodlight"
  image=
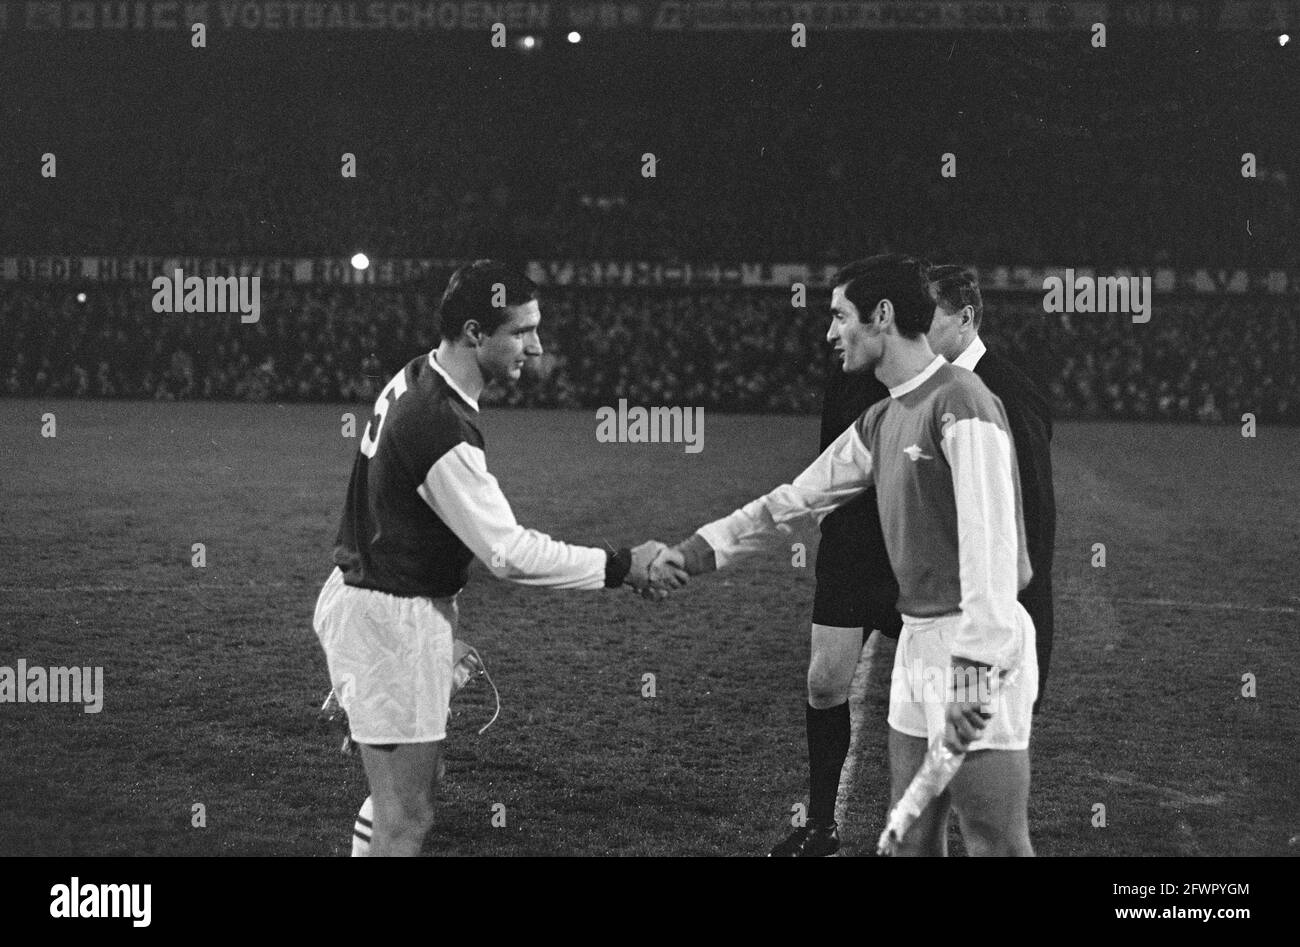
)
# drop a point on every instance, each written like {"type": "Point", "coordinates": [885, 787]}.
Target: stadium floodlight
{"type": "Point", "coordinates": [575, 37]}
{"type": "Point", "coordinates": [1284, 39]}
{"type": "Point", "coordinates": [81, 297]}
{"type": "Point", "coordinates": [529, 43]}
{"type": "Point", "coordinates": [360, 261]}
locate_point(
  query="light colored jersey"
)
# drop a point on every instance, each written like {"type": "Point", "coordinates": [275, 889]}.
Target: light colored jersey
{"type": "Point", "coordinates": [940, 453]}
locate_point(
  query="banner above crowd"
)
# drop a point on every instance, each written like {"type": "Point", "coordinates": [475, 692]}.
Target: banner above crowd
{"type": "Point", "coordinates": [654, 15]}
{"type": "Point", "coordinates": [396, 273]}
{"type": "Point", "coordinates": [130, 269]}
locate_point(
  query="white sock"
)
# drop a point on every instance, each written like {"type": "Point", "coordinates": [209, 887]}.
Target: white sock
{"type": "Point", "coordinates": [361, 830]}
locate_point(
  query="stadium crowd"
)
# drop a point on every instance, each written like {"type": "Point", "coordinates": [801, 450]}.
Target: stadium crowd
{"type": "Point", "coordinates": [755, 160]}
{"type": "Point", "coordinates": [1198, 359]}
{"type": "Point", "coordinates": [758, 155]}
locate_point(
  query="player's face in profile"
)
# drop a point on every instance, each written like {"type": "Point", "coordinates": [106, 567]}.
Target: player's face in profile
{"type": "Point", "coordinates": [502, 354]}
{"type": "Point", "coordinates": [945, 333]}
{"type": "Point", "coordinates": [858, 343]}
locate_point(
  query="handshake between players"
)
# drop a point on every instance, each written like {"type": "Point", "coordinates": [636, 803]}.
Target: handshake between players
{"type": "Point", "coordinates": [422, 505]}
{"type": "Point", "coordinates": [656, 569]}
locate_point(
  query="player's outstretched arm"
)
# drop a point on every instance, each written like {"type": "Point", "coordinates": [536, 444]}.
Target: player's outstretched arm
{"type": "Point", "coordinates": [465, 496]}
{"type": "Point", "coordinates": [842, 472]}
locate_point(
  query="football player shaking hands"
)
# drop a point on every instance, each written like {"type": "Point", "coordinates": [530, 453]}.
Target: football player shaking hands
{"type": "Point", "coordinates": [421, 505]}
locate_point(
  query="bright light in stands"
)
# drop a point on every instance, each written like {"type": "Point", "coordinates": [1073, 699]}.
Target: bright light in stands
{"type": "Point", "coordinates": [360, 261]}
{"type": "Point", "coordinates": [81, 297]}
{"type": "Point", "coordinates": [1284, 39]}
{"type": "Point", "coordinates": [528, 42]}
{"type": "Point", "coordinates": [575, 37]}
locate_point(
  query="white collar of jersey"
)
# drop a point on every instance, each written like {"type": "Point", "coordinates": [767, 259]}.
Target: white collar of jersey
{"type": "Point", "coordinates": [917, 381]}
{"type": "Point", "coordinates": [433, 363]}
{"type": "Point", "coordinates": [971, 356]}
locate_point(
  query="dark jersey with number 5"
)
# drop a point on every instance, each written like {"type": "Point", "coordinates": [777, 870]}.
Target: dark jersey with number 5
{"type": "Point", "coordinates": [390, 539]}
{"type": "Point", "coordinates": [422, 504]}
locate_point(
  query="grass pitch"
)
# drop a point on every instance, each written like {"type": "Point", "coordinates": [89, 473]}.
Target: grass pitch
{"type": "Point", "coordinates": [212, 674]}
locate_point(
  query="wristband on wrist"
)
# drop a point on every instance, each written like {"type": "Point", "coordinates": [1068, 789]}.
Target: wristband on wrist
{"type": "Point", "coordinates": [617, 566]}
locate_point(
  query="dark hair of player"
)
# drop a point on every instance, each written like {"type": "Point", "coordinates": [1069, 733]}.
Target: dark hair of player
{"type": "Point", "coordinates": [469, 296]}
{"type": "Point", "coordinates": [894, 276]}
{"type": "Point", "coordinates": [956, 287]}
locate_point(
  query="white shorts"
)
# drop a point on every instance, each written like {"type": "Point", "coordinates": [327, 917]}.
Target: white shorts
{"type": "Point", "coordinates": [390, 660]}
{"type": "Point", "coordinates": [921, 683]}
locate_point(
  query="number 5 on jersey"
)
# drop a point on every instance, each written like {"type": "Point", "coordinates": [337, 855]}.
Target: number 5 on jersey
{"type": "Point", "coordinates": [392, 391]}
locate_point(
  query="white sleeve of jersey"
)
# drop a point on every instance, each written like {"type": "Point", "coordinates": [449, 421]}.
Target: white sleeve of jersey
{"type": "Point", "coordinates": [465, 496]}
{"type": "Point", "coordinates": [979, 453]}
{"type": "Point", "coordinates": [841, 472]}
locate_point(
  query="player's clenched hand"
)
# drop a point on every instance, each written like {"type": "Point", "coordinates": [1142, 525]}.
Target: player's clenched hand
{"type": "Point", "coordinates": [964, 722]}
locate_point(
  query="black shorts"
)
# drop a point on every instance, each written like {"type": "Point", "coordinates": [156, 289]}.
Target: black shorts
{"type": "Point", "coordinates": [855, 586]}
{"type": "Point", "coordinates": [839, 604]}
